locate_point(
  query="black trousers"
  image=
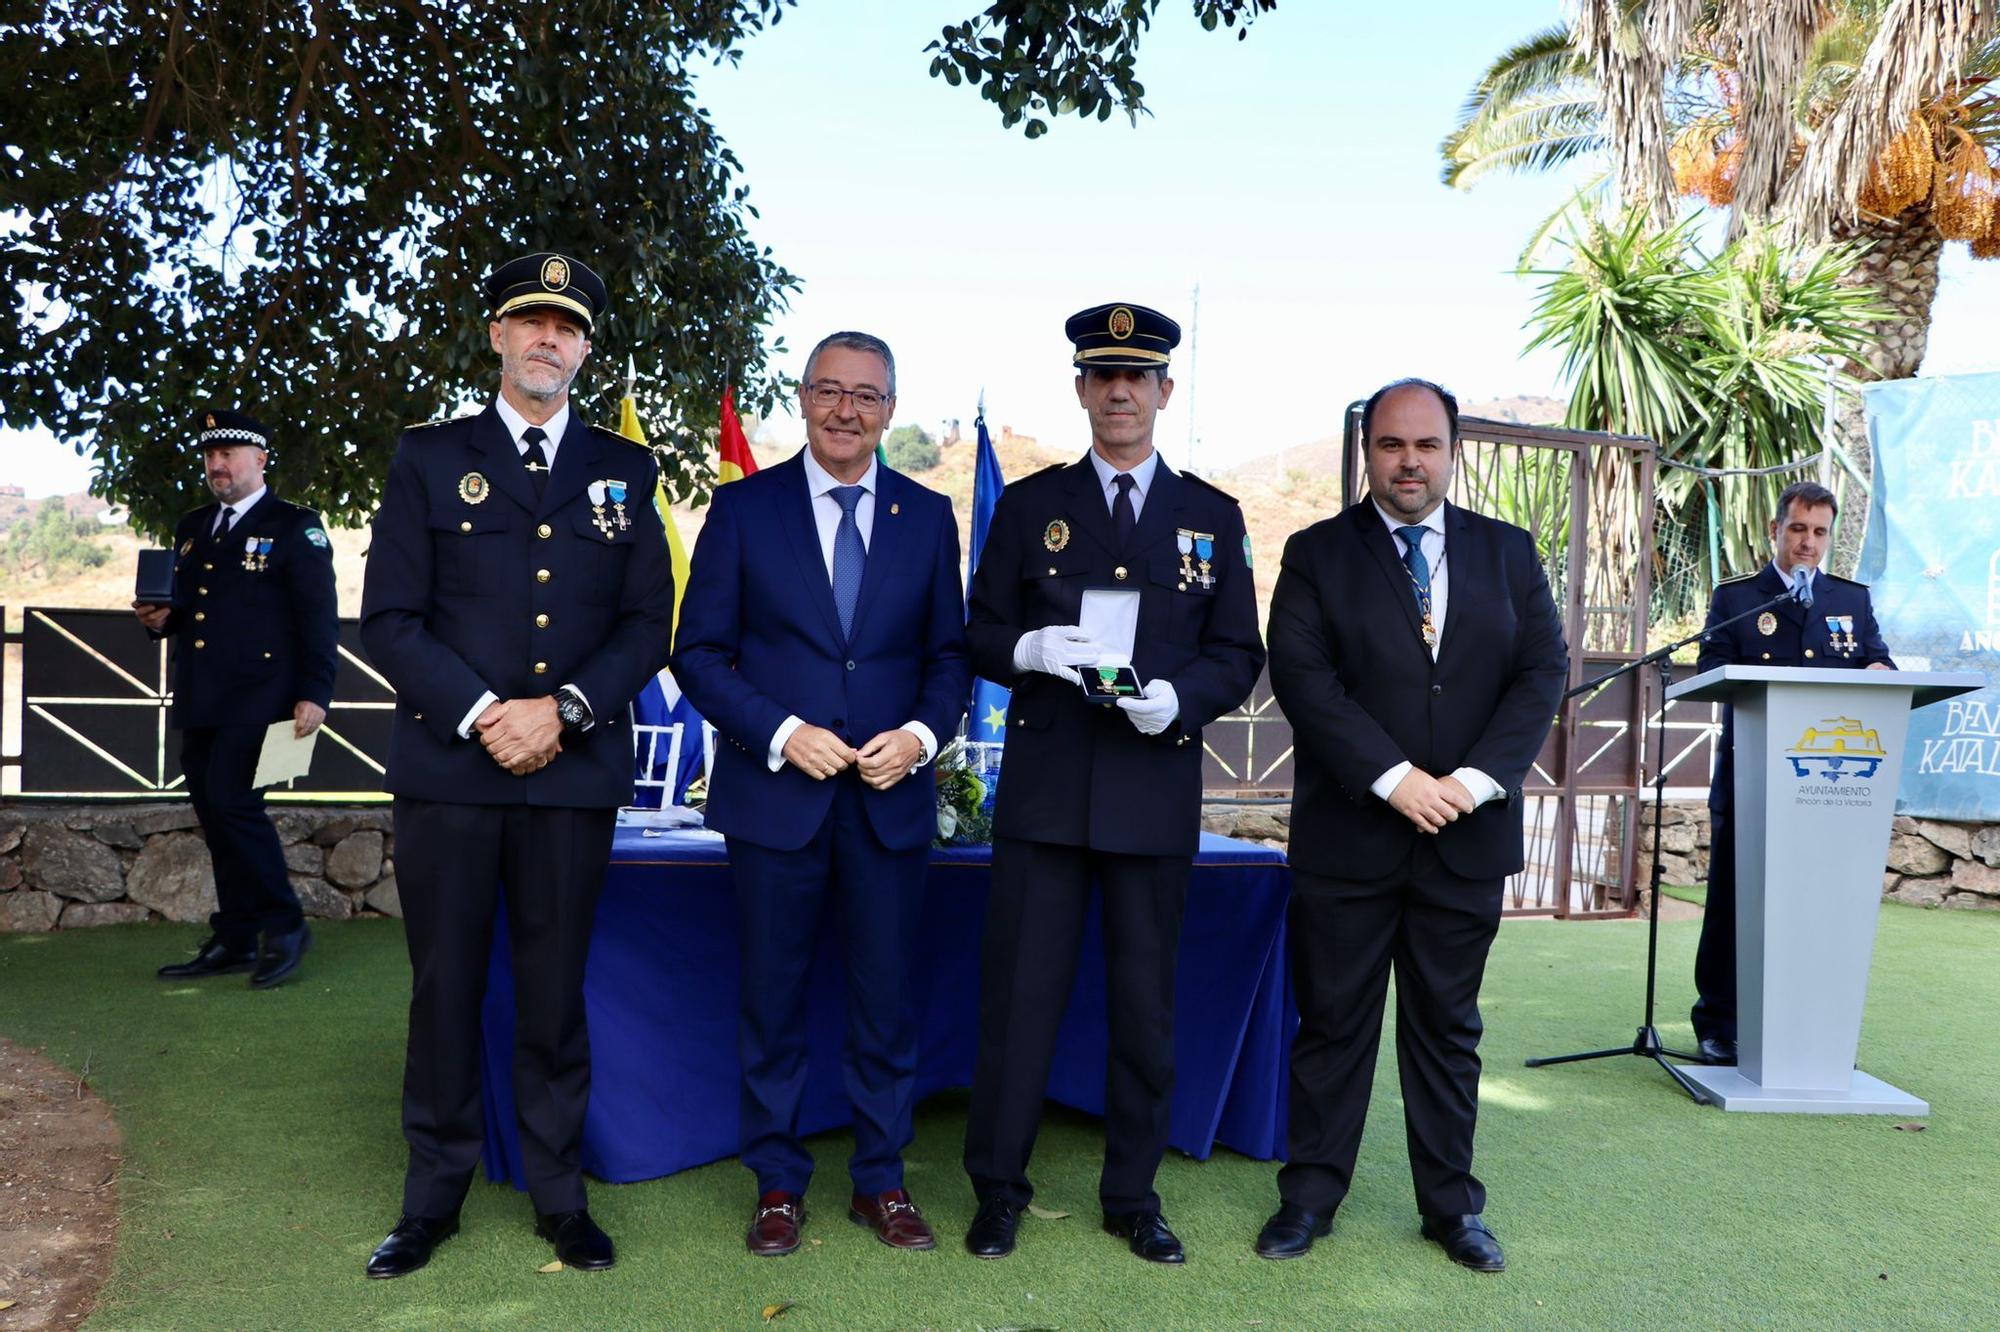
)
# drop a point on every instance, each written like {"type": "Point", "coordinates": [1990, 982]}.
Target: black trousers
{"type": "Point", "coordinates": [252, 893]}
{"type": "Point", "coordinates": [1714, 1011]}
{"type": "Point", "coordinates": [877, 897]}
{"type": "Point", "coordinates": [453, 862]}
{"type": "Point", "coordinates": [1034, 927]}
{"type": "Point", "coordinates": [1435, 928]}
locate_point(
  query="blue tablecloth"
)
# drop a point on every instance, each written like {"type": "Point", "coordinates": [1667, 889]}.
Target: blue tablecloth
{"type": "Point", "coordinates": [661, 996]}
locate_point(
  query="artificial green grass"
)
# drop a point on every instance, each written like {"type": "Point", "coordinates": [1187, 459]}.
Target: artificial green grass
{"type": "Point", "coordinates": [1695, 893]}
{"type": "Point", "coordinates": [263, 1161]}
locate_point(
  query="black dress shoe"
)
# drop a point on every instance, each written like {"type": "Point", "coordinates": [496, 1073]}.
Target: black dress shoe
{"type": "Point", "coordinates": [409, 1245]}
{"type": "Point", "coordinates": [1148, 1232]}
{"type": "Point", "coordinates": [1466, 1241]}
{"type": "Point", "coordinates": [280, 957]}
{"type": "Point", "coordinates": [215, 957]}
{"type": "Point", "coordinates": [1717, 1050]}
{"type": "Point", "coordinates": [578, 1241]}
{"type": "Point", "coordinates": [1291, 1231]}
{"type": "Point", "coordinates": [991, 1234]}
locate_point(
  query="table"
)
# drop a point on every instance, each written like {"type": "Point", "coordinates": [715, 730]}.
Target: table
{"type": "Point", "coordinates": [661, 992]}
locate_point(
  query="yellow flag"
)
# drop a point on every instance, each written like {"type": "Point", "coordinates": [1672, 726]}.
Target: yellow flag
{"type": "Point", "coordinates": [628, 426]}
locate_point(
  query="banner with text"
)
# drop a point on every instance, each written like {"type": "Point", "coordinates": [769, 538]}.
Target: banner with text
{"type": "Point", "coordinates": [1931, 557]}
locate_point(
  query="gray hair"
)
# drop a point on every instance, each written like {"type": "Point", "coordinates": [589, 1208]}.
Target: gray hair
{"type": "Point", "coordinates": [861, 342]}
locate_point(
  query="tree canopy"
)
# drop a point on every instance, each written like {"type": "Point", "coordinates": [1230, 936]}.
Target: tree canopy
{"type": "Point", "coordinates": [288, 208]}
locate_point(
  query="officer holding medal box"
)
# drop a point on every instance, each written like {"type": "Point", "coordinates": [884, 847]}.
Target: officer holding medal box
{"type": "Point", "coordinates": [255, 630]}
{"type": "Point", "coordinates": [1101, 781]}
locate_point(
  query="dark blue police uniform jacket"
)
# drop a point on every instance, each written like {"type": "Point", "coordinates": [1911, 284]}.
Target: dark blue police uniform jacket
{"type": "Point", "coordinates": [474, 584]}
{"type": "Point", "coordinates": [254, 623]}
{"type": "Point", "coordinates": [760, 641]}
{"type": "Point", "coordinates": [1078, 773]}
{"type": "Point", "coordinates": [1792, 636]}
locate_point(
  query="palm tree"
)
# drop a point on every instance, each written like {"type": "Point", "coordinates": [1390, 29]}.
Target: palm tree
{"type": "Point", "coordinates": [1874, 121]}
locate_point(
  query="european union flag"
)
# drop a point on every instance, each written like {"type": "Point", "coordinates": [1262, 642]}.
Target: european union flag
{"type": "Point", "coordinates": [987, 718]}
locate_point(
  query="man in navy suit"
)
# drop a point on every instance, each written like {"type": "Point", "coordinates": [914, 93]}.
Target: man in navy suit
{"type": "Point", "coordinates": [518, 596]}
{"type": "Point", "coordinates": [1418, 656]}
{"type": "Point", "coordinates": [823, 635]}
{"type": "Point", "coordinates": [1828, 623]}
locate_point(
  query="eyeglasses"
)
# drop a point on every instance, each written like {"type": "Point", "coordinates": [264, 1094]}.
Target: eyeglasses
{"type": "Point", "coordinates": [829, 395]}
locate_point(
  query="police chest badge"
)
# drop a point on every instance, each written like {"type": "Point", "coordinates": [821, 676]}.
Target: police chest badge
{"type": "Point", "coordinates": [472, 487]}
{"type": "Point", "coordinates": [1767, 624]}
{"type": "Point", "coordinates": [1056, 535]}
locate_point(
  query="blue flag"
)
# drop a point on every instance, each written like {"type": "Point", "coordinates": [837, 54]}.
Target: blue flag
{"type": "Point", "coordinates": [661, 703]}
{"type": "Point", "coordinates": [987, 717]}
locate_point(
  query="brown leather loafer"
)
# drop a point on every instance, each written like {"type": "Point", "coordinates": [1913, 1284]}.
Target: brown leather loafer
{"type": "Point", "coordinates": [774, 1230]}
{"type": "Point", "coordinates": [894, 1219]}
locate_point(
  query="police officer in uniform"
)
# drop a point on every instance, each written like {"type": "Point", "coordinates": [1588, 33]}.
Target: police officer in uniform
{"type": "Point", "coordinates": [1828, 623]}
{"type": "Point", "coordinates": [518, 595]}
{"type": "Point", "coordinates": [1094, 791]}
{"type": "Point", "coordinates": [255, 633]}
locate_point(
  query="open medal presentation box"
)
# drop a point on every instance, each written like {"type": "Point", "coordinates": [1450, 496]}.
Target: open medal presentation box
{"type": "Point", "coordinates": [1818, 756]}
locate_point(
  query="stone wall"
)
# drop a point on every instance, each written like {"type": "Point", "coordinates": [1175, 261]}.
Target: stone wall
{"type": "Point", "coordinates": [68, 865]}
{"type": "Point", "coordinates": [1930, 862]}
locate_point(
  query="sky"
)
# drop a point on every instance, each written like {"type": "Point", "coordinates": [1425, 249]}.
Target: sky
{"type": "Point", "coordinates": [1293, 177]}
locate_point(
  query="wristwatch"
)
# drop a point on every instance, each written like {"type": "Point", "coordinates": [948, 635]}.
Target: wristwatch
{"type": "Point", "coordinates": [571, 710]}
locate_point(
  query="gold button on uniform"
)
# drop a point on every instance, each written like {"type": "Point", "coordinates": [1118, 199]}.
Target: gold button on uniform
{"type": "Point", "coordinates": [207, 567]}
{"type": "Point", "coordinates": [541, 621]}
{"type": "Point", "coordinates": [202, 591]}
{"type": "Point", "coordinates": [199, 616]}
{"type": "Point", "coordinates": [541, 575]}
{"type": "Point", "coordinates": [267, 656]}
{"type": "Point", "coordinates": [1119, 573]}
{"type": "Point", "coordinates": [1052, 573]}
{"type": "Point", "coordinates": [545, 531]}
{"type": "Point", "coordinates": [1767, 656]}
{"type": "Point", "coordinates": [1809, 652]}
{"type": "Point", "coordinates": [465, 527]}
{"type": "Point", "coordinates": [200, 643]}
{"type": "Point", "coordinates": [541, 668]}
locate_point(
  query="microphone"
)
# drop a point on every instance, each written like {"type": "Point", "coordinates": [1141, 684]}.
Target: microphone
{"type": "Point", "coordinates": [1802, 591]}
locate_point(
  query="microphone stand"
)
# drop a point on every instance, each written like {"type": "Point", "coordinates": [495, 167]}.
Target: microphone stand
{"type": "Point", "coordinates": [1647, 1044]}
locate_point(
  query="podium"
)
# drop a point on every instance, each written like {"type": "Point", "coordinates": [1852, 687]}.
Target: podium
{"type": "Point", "coordinates": [1818, 756]}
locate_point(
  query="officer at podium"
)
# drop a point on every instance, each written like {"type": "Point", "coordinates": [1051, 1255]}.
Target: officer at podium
{"type": "Point", "coordinates": [1829, 623]}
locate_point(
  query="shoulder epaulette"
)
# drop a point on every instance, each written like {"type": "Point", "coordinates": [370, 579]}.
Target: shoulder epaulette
{"type": "Point", "coordinates": [1206, 484]}
{"type": "Point", "coordinates": [1739, 578]}
{"type": "Point", "coordinates": [609, 433]}
{"type": "Point", "coordinates": [1851, 582]}
{"type": "Point", "coordinates": [428, 425]}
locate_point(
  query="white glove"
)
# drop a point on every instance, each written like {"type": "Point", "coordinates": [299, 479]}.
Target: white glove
{"type": "Point", "coordinates": [1057, 649]}
{"type": "Point", "coordinates": [1156, 711]}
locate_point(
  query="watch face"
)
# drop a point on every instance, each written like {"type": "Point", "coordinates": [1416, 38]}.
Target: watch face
{"type": "Point", "coordinates": [570, 709]}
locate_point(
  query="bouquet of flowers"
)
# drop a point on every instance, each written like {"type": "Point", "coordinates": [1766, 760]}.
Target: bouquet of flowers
{"type": "Point", "coordinates": [968, 774]}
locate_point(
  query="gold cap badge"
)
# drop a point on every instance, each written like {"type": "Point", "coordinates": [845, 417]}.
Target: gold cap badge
{"type": "Point", "coordinates": [555, 274]}
{"type": "Point", "coordinates": [1120, 323]}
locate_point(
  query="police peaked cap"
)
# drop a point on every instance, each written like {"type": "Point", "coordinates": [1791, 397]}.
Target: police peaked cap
{"type": "Point", "coordinates": [216, 428]}
{"type": "Point", "coordinates": [546, 281]}
{"type": "Point", "coordinates": [1121, 336]}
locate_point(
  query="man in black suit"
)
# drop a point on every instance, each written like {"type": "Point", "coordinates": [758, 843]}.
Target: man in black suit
{"type": "Point", "coordinates": [256, 637]}
{"type": "Point", "coordinates": [1090, 791]}
{"type": "Point", "coordinates": [1829, 623]}
{"type": "Point", "coordinates": [1417, 653]}
{"type": "Point", "coordinates": [518, 596]}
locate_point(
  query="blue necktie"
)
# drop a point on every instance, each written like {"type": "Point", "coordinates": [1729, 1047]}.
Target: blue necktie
{"type": "Point", "coordinates": [1414, 561]}
{"type": "Point", "coordinates": [849, 556]}
{"type": "Point", "coordinates": [1122, 515]}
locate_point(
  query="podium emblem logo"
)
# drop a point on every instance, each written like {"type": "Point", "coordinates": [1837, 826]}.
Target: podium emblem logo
{"type": "Point", "coordinates": [1835, 748]}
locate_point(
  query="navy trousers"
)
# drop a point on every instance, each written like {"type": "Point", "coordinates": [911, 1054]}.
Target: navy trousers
{"type": "Point", "coordinates": [1714, 1012]}
{"type": "Point", "coordinates": [252, 893]}
{"type": "Point", "coordinates": [876, 896]}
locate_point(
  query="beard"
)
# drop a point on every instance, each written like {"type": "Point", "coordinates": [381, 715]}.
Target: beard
{"type": "Point", "coordinates": [538, 379]}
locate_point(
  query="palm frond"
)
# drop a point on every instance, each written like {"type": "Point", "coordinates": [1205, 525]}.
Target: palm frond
{"type": "Point", "coordinates": [1536, 65]}
{"type": "Point", "coordinates": [1533, 134]}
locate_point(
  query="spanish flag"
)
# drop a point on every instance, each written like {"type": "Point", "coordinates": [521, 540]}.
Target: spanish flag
{"type": "Point", "coordinates": [736, 462]}
{"type": "Point", "coordinates": [628, 426]}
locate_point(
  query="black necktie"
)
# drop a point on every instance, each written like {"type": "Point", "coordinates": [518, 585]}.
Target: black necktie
{"type": "Point", "coordinates": [222, 528]}
{"type": "Point", "coordinates": [1121, 508]}
{"type": "Point", "coordinates": [532, 457]}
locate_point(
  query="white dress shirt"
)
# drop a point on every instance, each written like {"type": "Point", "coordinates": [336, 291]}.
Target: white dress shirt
{"type": "Point", "coordinates": [826, 519]}
{"type": "Point", "coordinates": [237, 510]}
{"type": "Point", "coordinates": [517, 426]}
{"type": "Point", "coordinates": [1476, 783]}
